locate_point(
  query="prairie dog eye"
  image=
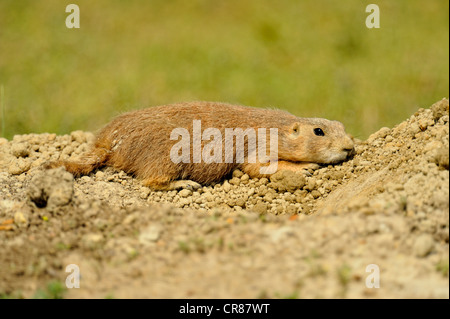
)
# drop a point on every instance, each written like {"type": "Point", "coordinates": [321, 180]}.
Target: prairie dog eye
{"type": "Point", "coordinates": [319, 132]}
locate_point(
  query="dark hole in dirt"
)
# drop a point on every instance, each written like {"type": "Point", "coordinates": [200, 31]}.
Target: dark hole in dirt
{"type": "Point", "coordinates": [41, 201]}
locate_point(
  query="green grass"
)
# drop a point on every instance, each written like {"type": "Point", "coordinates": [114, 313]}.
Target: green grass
{"type": "Point", "coordinates": [53, 290]}
{"type": "Point", "coordinates": [2, 109]}
{"type": "Point", "coordinates": [313, 58]}
{"type": "Point", "coordinates": [344, 273]}
{"type": "Point", "coordinates": [184, 247]}
{"type": "Point", "coordinates": [12, 295]}
{"type": "Point", "coordinates": [293, 295]}
{"type": "Point", "coordinates": [442, 267]}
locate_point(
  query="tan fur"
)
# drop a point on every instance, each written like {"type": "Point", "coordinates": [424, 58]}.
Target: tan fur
{"type": "Point", "coordinates": [138, 142]}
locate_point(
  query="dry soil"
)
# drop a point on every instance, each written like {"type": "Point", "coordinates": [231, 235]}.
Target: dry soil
{"type": "Point", "coordinates": [329, 233]}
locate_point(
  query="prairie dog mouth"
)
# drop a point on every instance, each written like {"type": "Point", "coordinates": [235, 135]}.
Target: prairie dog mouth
{"type": "Point", "coordinates": [338, 157]}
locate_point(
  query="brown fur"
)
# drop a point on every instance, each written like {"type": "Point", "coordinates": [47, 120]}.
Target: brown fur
{"type": "Point", "coordinates": [138, 142]}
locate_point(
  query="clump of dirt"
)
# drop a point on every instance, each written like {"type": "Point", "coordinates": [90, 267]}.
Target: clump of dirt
{"type": "Point", "coordinates": [312, 235]}
{"type": "Point", "coordinates": [52, 189]}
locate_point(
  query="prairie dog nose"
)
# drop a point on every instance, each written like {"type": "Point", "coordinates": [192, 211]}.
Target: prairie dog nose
{"type": "Point", "coordinates": [350, 152]}
{"type": "Point", "coordinates": [349, 146]}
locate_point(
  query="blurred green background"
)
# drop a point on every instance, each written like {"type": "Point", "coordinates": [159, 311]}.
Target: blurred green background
{"type": "Point", "coordinates": [315, 58]}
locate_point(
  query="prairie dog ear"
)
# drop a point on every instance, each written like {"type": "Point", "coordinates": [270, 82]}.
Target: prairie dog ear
{"type": "Point", "coordinates": [294, 131]}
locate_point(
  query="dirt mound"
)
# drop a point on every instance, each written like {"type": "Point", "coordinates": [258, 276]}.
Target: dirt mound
{"type": "Point", "coordinates": [327, 233]}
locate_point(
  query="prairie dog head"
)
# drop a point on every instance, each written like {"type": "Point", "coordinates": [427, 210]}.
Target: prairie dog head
{"type": "Point", "coordinates": [316, 140]}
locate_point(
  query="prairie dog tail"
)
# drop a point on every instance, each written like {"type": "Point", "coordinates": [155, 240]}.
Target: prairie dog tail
{"type": "Point", "coordinates": [86, 164]}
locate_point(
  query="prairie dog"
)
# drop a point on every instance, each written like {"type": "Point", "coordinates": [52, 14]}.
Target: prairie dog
{"type": "Point", "coordinates": [140, 143]}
